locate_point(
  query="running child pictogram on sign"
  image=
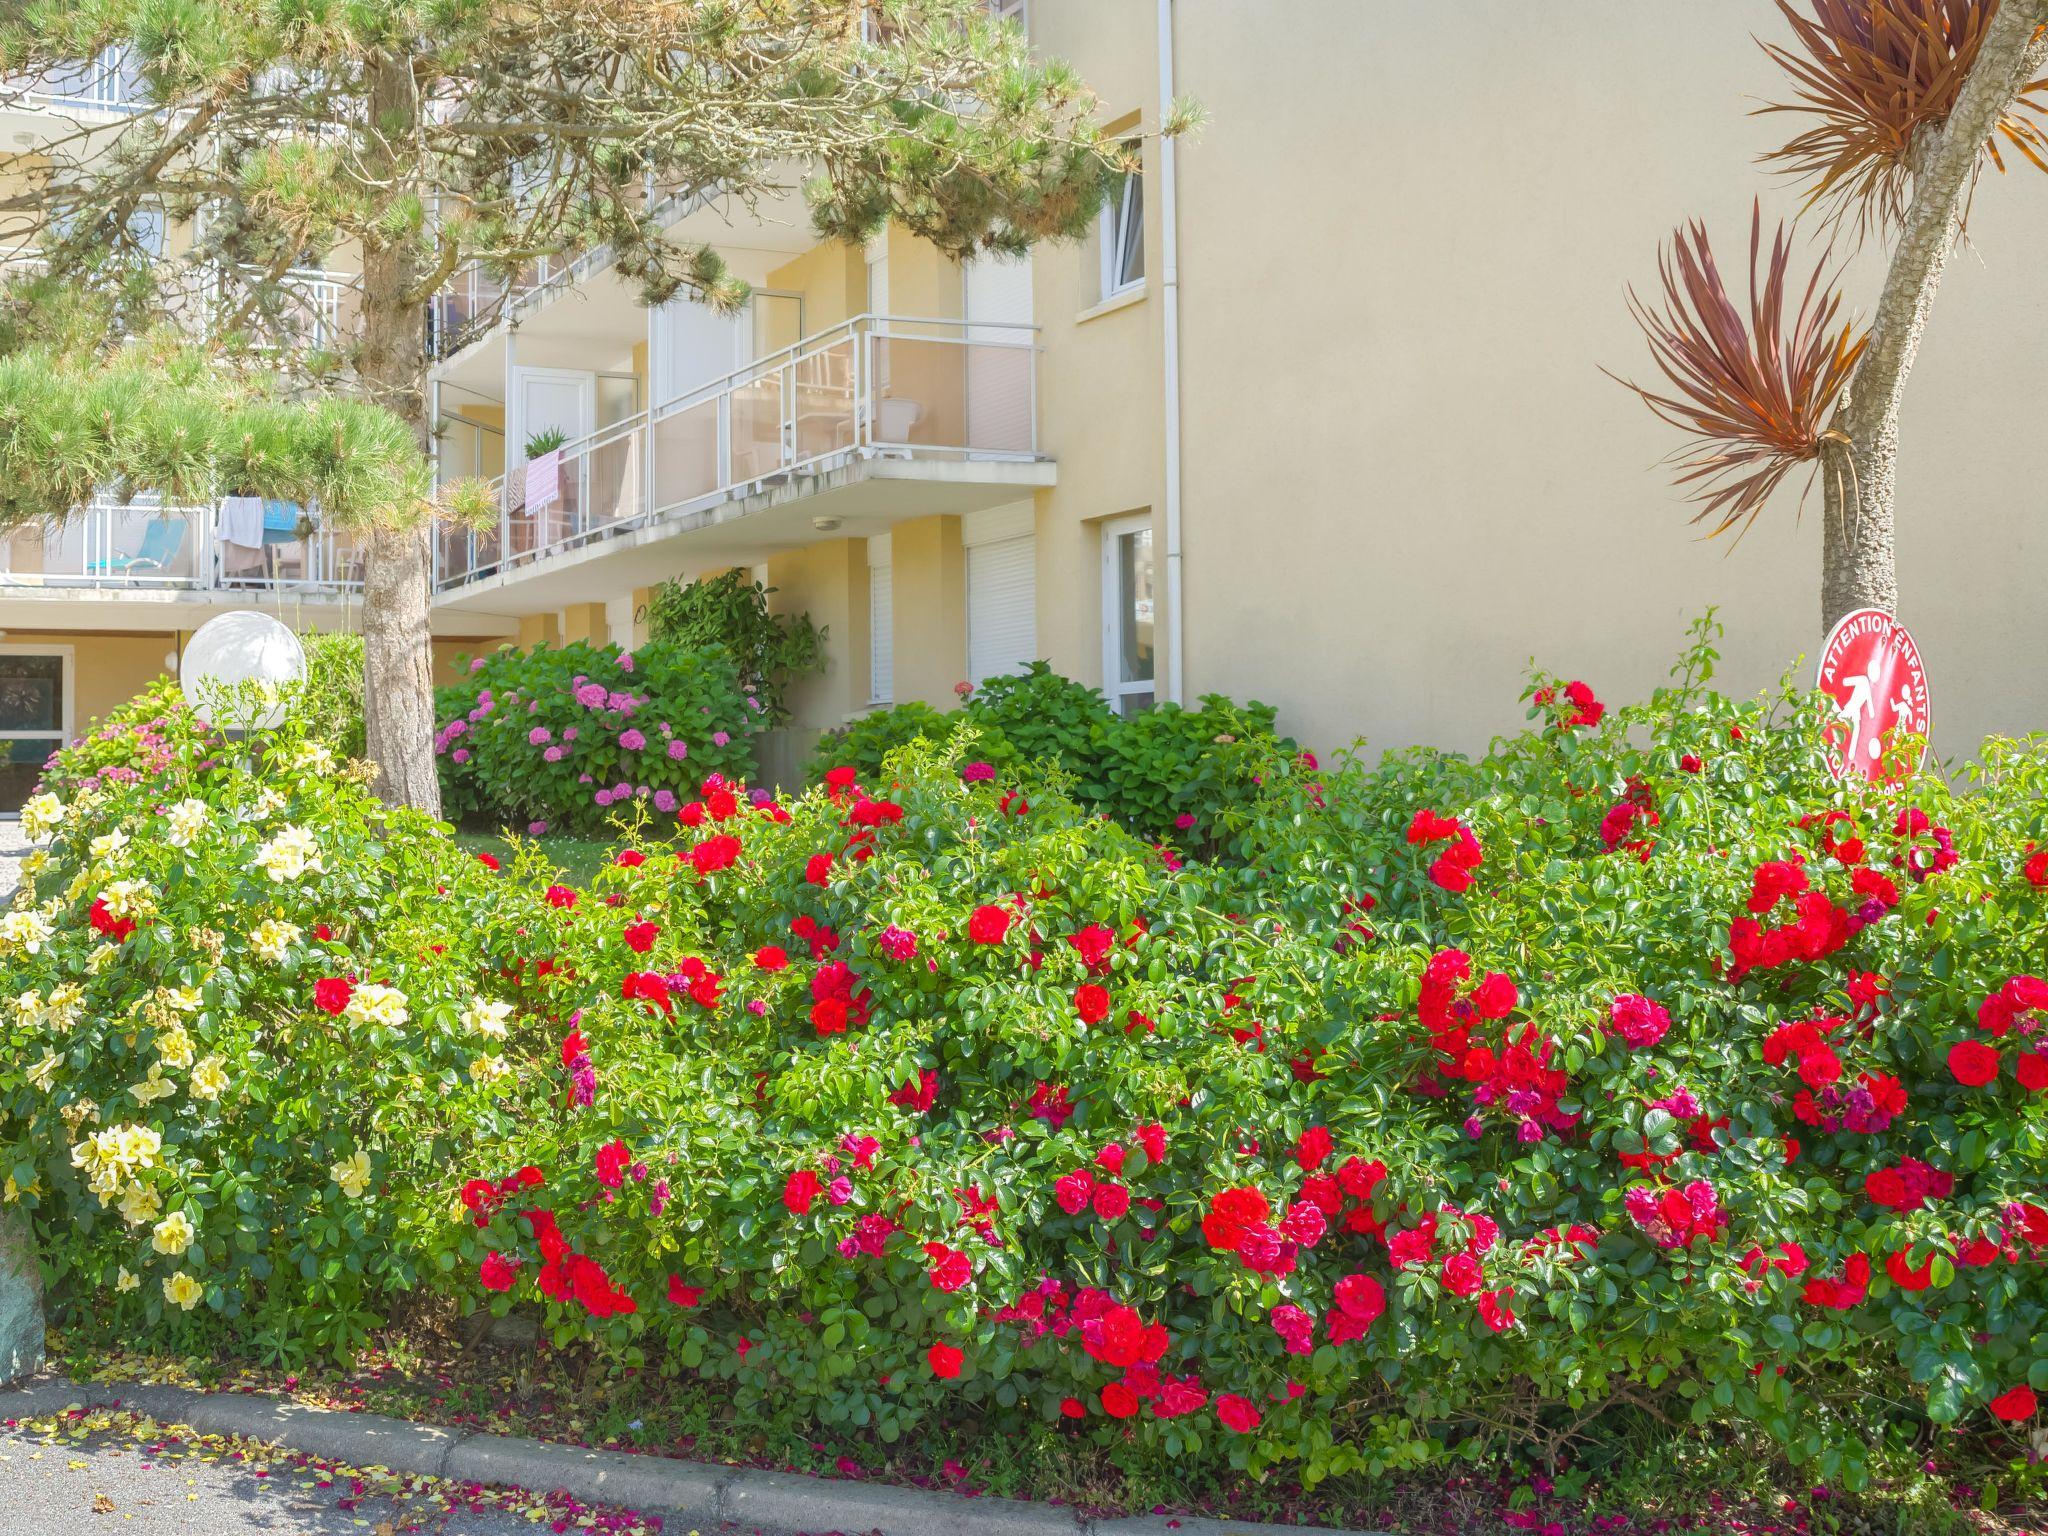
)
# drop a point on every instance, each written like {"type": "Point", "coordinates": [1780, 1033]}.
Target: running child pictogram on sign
{"type": "Point", "coordinates": [1871, 668]}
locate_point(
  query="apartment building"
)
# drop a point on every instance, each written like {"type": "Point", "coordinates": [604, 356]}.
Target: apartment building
{"type": "Point", "coordinates": [1315, 415]}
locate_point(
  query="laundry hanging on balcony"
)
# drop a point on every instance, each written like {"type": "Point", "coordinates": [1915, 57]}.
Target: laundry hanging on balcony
{"type": "Point", "coordinates": [544, 479]}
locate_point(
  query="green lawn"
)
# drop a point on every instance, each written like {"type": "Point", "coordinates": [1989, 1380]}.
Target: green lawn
{"type": "Point", "coordinates": [578, 858]}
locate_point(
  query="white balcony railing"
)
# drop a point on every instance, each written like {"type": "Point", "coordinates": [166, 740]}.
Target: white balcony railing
{"type": "Point", "coordinates": [109, 83]}
{"type": "Point", "coordinates": [873, 387]}
{"type": "Point", "coordinates": [145, 544]}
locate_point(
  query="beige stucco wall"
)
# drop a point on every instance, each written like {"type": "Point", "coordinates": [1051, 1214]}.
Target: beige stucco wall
{"type": "Point", "coordinates": [1405, 474]}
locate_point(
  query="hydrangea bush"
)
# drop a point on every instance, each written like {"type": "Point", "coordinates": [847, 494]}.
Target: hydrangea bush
{"type": "Point", "coordinates": [1639, 1067]}
{"type": "Point", "coordinates": [569, 737]}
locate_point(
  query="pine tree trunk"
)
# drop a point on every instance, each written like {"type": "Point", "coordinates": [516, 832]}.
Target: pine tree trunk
{"type": "Point", "coordinates": [1858, 569]}
{"type": "Point", "coordinates": [398, 666]}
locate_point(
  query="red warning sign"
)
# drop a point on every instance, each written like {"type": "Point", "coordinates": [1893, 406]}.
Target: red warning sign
{"type": "Point", "coordinates": [1871, 668]}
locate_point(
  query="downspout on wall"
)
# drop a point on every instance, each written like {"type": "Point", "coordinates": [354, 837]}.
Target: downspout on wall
{"type": "Point", "coordinates": [1169, 294]}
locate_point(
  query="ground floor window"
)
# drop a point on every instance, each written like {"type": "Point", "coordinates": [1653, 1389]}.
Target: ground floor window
{"type": "Point", "coordinates": [35, 715]}
{"type": "Point", "coordinates": [1129, 608]}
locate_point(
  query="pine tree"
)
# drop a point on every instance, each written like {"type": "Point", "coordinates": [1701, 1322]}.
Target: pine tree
{"type": "Point", "coordinates": [423, 136]}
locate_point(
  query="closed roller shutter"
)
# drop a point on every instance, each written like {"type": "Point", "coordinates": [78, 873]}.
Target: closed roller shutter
{"type": "Point", "coordinates": [881, 634]}
{"type": "Point", "coordinates": [1002, 606]}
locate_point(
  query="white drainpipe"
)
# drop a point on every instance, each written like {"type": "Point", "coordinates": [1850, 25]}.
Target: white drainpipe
{"type": "Point", "coordinates": [1169, 294]}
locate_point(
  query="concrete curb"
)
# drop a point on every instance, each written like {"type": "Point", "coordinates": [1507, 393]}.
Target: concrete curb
{"type": "Point", "coordinates": [692, 1496]}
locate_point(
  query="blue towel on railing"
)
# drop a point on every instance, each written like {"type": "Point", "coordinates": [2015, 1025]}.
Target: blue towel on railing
{"type": "Point", "coordinates": [280, 521]}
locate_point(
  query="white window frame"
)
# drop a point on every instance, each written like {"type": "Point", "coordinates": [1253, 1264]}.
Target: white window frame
{"type": "Point", "coordinates": [1115, 688]}
{"type": "Point", "coordinates": [1018, 11]}
{"type": "Point", "coordinates": [1116, 228]}
{"type": "Point", "coordinates": [68, 654]}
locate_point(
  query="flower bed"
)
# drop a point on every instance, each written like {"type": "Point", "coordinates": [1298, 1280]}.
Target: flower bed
{"type": "Point", "coordinates": [1641, 1066]}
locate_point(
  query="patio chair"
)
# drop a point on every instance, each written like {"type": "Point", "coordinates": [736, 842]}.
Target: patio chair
{"type": "Point", "coordinates": [161, 542]}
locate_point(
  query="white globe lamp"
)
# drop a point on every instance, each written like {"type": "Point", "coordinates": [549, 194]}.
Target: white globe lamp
{"type": "Point", "coordinates": [239, 648]}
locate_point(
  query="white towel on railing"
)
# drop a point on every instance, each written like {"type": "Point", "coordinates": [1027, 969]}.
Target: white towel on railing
{"type": "Point", "coordinates": [241, 520]}
{"type": "Point", "coordinates": [543, 479]}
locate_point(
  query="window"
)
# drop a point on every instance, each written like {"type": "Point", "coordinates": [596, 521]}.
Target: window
{"type": "Point", "coordinates": [1129, 610]}
{"type": "Point", "coordinates": [35, 715]}
{"type": "Point", "coordinates": [1122, 235]}
{"type": "Point", "coordinates": [1009, 10]}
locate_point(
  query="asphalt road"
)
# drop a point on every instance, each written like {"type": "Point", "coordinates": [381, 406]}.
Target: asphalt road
{"type": "Point", "coordinates": [130, 1480]}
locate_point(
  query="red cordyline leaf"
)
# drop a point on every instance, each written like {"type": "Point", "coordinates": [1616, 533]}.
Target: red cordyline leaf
{"type": "Point", "coordinates": [1873, 72]}
{"type": "Point", "coordinates": [1755, 391]}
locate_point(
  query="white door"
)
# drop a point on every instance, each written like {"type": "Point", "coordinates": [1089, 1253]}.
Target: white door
{"type": "Point", "coordinates": [550, 399]}
{"type": "Point", "coordinates": [997, 303]}
{"type": "Point", "coordinates": [1002, 591]}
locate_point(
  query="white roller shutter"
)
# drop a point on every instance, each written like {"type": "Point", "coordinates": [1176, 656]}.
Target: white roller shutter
{"type": "Point", "coordinates": [881, 623]}
{"type": "Point", "coordinates": [998, 289]}
{"type": "Point", "coordinates": [1002, 606]}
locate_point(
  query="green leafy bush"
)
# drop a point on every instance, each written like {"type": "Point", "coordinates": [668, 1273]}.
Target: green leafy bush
{"type": "Point", "coordinates": [331, 698]}
{"type": "Point", "coordinates": [204, 1115]}
{"type": "Point", "coordinates": [729, 612]}
{"type": "Point", "coordinates": [569, 737]}
{"type": "Point", "coordinates": [1167, 773]}
{"type": "Point", "coordinates": [137, 740]}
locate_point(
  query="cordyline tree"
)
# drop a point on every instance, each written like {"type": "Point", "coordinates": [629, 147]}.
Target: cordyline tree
{"type": "Point", "coordinates": [422, 136]}
{"type": "Point", "coordinates": [1909, 100]}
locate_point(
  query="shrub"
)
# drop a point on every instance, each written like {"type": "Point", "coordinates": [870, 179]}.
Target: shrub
{"type": "Point", "coordinates": [331, 700]}
{"type": "Point", "coordinates": [210, 1110]}
{"type": "Point", "coordinates": [136, 740]}
{"type": "Point", "coordinates": [729, 612]}
{"type": "Point", "coordinates": [567, 737]}
{"type": "Point", "coordinates": [866, 741]}
{"type": "Point", "coordinates": [1168, 774]}
{"type": "Point", "coordinates": [1640, 1067]}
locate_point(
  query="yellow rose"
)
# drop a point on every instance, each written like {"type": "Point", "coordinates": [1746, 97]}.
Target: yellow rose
{"type": "Point", "coordinates": [352, 1173]}
{"type": "Point", "coordinates": [173, 1235]}
{"type": "Point", "coordinates": [125, 1281]}
{"type": "Point", "coordinates": [182, 1291]}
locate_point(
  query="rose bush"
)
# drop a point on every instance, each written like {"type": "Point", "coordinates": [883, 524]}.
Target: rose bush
{"type": "Point", "coordinates": [568, 737]}
{"type": "Point", "coordinates": [247, 1020]}
{"type": "Point", "coordinates": [1640, 1066]}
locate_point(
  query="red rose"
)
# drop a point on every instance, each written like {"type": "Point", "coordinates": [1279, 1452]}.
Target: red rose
{"type": "Point", "coordinates": [1973, 1062]}
{"type": "Point", "coordinates": [1361, 1296]}
{"type": "Point", "coordinates": [1119, 1401]}
{"type": "Point", "coordinates": [945, 1361]}
{"type": "Point", "coordinates": [487, 861]}
{"type": "Point", "coordinates": [331, 994]}
{"type": "Point", "coordinates": [560, 896]}
{"type": "Point", "coordinates": [2014, 1404]}
{"type": "Point", "coordinates": [631, 858]}
{"type": "Point", "coordinates": [770, 957]}
{"type": "Point", "coordinates": [818, 869]}
{"type": "Point", "coordinates": [2031, 1068]}
{"type": "Point", "coordinates": [1495, 997]}
{"type": "Point", "coordinates": [1312, 1148]}
{"type": "Point", "coordinates": [684, 1295]}
{"type": "Point", "coordinates": [988, 925]}
{"type": "Point", "coordinates": [1091, 1002]}
{"type": "Point", "coordinates": [1462, 1275]}
{"type": "Point", "coordinates": [640, 937]}
{"type": "Point", "coordinates": [1237, 1413]}
{"type": "Point", "coordinates": [801, 1192]}
{"type": "Point", "coordinates": [1111, 1201]}
{"type": "Point", "coordinates": [498, 1272]}
{"type": "Point", "coordinates": [1905, 1276]}
{"type": "Point", "coordinates": [1690, 763]}
{"type": "Point", "coordinates": [2037, 870]}
{"type": "Point", "coordinates": [951, 1268]}
{"type": "Point", "coordinates": [1073, 1408]}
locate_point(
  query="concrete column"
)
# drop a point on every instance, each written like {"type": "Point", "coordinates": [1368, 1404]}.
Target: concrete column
{"type": "Point", "coordinates": [930, 600]}
{"type": "Point", "coordinates": [21, 1299]}
{"type": "Point", "coordinates": [584, 621]}
{"type": "Point", "coordinates": [539, 629]}
{"type": "Point", "coordinates": [642, 598]}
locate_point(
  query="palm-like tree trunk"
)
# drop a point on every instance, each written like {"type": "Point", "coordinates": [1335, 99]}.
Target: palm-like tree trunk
{"type": "Point", "coordinates": [1858, 569]}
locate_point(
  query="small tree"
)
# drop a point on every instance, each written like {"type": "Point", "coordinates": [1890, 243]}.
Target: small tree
{"type": "Point", "coordinates": [729, 612]}
{"type": "Point", "coordinates": [1911, 99]}
{"type": "Point", "coordinates": [429, 136]}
